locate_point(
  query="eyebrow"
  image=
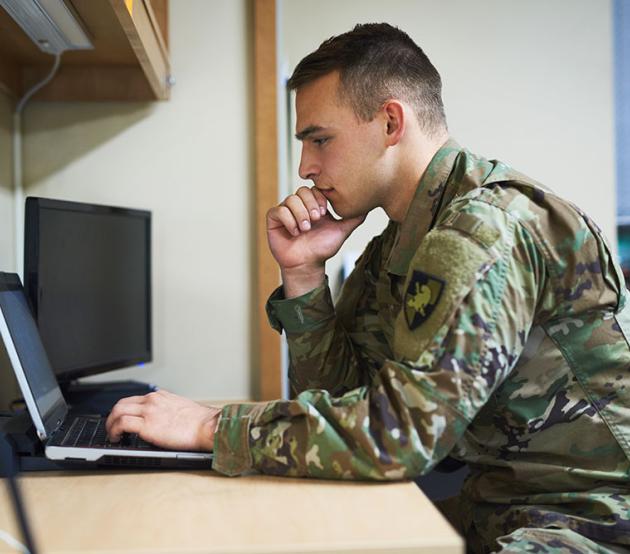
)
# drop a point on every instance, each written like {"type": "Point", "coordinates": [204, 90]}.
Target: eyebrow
{"type": "Point", "coordinates": [308, 131]}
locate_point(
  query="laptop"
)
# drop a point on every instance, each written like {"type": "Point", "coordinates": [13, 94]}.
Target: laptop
{"type": "Point", "coordinates": [74, 438]}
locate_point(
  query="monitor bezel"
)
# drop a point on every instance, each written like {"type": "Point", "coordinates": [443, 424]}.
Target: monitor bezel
{"type": "Point", "coordinates": [33, 208]}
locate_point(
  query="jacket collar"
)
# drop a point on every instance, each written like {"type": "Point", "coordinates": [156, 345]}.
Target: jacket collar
{"type": "Point", "coordinates": [423, 208]}
{"type": "Point", "coordinates": [453, 171]}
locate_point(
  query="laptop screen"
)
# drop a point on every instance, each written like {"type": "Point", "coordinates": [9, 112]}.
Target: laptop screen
{"type": "Point", "coordinates": [23, 340]}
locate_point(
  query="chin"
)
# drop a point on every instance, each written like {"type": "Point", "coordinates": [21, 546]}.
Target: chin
{"type": "Point", "coordinates": [345, 211]}
{"type": "Point", "coordinates": [349, 213]}
{"type": "Point", "coordinates": [341, 212]}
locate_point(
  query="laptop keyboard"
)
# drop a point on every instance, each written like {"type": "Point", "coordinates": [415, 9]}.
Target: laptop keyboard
{"type": "Point", "coordinates": [90, 432]}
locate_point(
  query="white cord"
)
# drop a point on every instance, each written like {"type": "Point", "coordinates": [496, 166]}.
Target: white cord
{"type": "Point", "coordinates": [13, 543]}
{"type": "Point", "coordinates": [42, 83]}
{"type": "Point", "coordinates": [18, 188]}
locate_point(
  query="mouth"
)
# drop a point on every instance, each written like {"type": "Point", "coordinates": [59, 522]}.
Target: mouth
{"type": "Point", "coordinates": [325, 192]}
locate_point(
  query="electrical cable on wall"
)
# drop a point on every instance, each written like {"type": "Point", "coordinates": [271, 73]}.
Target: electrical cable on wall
{"type": "Point", "coordinates": [30, 92]}
{"type": "Point", "coordinates": [54, 28]}
{"type": "Point", "coordinates": [18, 188]}
{"type": "Point", "coordinates": [13, 542]}
{"type": "Point", "coordinates": [9, 470]}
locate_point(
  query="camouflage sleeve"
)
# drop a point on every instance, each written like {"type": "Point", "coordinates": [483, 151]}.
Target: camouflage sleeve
{"type": "Point", "coordinates": [322, 352]}
{"type": "Point", "coordinates": [456, 340]}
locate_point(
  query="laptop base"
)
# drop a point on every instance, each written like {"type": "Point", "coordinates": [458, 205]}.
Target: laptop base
{"type": "Point", "coordinates": [29, 452]}
{"type": "Point", "coordinates": [27, 448]}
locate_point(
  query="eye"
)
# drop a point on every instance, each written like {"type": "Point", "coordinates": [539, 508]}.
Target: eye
{"type": "Point", "coordinates": [321, 141]}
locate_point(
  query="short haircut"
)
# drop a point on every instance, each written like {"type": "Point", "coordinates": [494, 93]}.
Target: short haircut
{"type": "Point", "coordinates": [377, 62]}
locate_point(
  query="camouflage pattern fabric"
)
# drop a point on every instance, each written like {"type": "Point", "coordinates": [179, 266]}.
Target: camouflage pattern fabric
{"type": "Point", "coordinates": [553, 541]}
{"type": "Point", "coordinates": [490, 325]}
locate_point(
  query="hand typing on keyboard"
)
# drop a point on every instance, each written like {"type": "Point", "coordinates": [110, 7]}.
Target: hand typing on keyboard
{"type": "Point", "coordinates": [164, 419]}
{"type": "Point", "coordinates": [127, 439]}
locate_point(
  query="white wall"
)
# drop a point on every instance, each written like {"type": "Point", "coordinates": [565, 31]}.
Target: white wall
{"type": "Point", "coordinates": [189, 161]}
{"type": "Point", "coordinates": [528, 82]}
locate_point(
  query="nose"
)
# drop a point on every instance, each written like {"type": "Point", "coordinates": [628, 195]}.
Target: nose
{"type": "Point", "coordinates": [309, 168]}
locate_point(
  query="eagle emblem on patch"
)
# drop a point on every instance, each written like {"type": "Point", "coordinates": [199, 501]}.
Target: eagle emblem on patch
{"type": "Point", "coordinates": [421, 298]}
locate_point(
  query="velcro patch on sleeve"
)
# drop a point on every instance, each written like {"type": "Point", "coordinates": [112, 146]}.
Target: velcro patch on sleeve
{"type": "Point", "coordinates": [441, 274]}
{"type": "Point", "coordinates": [478, 229]}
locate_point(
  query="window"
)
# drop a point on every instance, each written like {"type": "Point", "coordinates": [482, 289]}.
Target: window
{"type": "Point", "coordinates": [621, 23]}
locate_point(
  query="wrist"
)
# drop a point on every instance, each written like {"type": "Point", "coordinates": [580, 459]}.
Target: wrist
{"type": "Point", "coordinates": [299, 280]}
{"type": "Point", "coordinates": [208, 430]}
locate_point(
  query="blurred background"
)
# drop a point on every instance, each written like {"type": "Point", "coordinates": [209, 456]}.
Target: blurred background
{"type": "Point", "coordinates": [540, 84]}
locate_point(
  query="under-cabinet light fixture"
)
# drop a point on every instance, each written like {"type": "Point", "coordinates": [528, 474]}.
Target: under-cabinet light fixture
{"type": "Point", "coordinates": [51, 24]}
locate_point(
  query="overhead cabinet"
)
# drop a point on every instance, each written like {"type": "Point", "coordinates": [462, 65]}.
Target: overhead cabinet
{"type": "Point", "coordinates": [129, 61]}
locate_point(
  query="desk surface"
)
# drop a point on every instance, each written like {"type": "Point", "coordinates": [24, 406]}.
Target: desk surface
{"type": "Point", "coordinates": [159, 512]}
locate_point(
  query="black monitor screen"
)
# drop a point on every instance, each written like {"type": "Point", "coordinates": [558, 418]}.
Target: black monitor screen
{"type": "Point", "coordinates": [87, 275]}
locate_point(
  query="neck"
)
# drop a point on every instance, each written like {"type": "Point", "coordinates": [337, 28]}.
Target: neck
{"type": "Point", "coordinates": [414, 162]}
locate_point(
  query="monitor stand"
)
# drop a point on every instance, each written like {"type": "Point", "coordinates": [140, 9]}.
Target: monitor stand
{"type": "Point", "coordinates": [99, 398]}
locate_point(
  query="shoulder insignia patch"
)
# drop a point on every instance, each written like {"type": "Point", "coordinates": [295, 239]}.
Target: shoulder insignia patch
{"type": "Point", "coordinates": [421, 298]}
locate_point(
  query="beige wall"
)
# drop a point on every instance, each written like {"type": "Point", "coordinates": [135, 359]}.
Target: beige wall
{"type": "Point", "coordinates": [8, 387]}
{"type": "Point", "coordinates": [527, 82]}
{"type": "Point", "coordinates": [7, 256]}
{"type": "Point", "coordinates": [189, 162]}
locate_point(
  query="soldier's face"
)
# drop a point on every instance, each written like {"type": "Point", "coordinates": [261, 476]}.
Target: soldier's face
{"type": "Point", "coordinates": [342, 155]}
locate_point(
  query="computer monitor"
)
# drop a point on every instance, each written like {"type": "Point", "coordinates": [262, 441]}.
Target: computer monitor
{"type": "Point", "coordinates": [87, 275]}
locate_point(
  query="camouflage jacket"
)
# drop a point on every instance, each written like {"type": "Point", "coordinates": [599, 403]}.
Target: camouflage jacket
{"type": "Point", "coordinates": [491, 324]}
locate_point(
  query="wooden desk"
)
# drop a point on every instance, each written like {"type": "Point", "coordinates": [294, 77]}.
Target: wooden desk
{"type": "Point", "coordinates": [162, 512]}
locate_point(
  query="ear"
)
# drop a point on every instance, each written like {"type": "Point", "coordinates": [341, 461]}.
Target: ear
{"type": "Point", "coordinates": [395, 121]}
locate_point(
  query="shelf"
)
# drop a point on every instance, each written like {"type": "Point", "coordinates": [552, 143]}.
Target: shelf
{"type": "Point", "coordinates": [129, 61]}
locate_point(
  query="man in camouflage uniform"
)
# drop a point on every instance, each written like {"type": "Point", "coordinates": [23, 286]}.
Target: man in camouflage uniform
{"type": "Point", "coordinates": [488, 322]}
